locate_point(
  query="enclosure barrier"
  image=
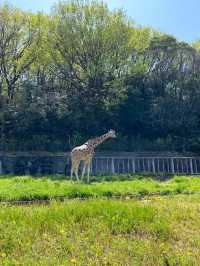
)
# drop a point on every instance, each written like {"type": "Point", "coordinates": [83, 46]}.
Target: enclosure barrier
{"type": "Point", "coordinates": [101, 164]}
{"type": "Point", "coordinates": [170, 165]}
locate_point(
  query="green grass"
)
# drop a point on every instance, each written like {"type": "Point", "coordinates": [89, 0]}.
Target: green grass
{"type": "Point", "coordinates": [52, 187]}
{"type": "Point", "coordinates": [160, 231]}
{"type": "Point", "coordinates": [98, 231]}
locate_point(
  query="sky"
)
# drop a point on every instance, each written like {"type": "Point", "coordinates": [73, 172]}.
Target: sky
{"type": "Point", "coordinates": [180, 18]}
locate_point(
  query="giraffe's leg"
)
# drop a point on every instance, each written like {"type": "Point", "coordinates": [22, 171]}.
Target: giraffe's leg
{"type": "Point", "coordinates": [72, 171]}
{"type": "Point", "coordinates": [83, 172]}
{"type": "Point", "coordinates": [88, 170]}
{"type": "Point", "coordinates": [74, 167]}
{"type": "Point", "coordinates": [76, 171]}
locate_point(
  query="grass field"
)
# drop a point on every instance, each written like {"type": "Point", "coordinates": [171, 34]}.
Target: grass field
{"type": "Point", "coordinates": [160, 231]}
{"type": "Point", "coordinates": [29, 188]}
{"type": "Point", "coordinates": [153, 231]}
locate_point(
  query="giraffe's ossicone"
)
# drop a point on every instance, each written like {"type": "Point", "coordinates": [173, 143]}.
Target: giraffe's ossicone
{"type": "Point", "coordinates": [85, 153]}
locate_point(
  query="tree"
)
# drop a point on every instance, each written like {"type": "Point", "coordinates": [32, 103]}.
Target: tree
{"type": "Point", "coordinates": [90, 46]}
{"type": "Point", "coordinates": [18, 40]}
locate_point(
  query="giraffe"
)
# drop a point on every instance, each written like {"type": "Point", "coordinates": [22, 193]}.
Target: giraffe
{"type": "Point", "coordinates": [85, 153]}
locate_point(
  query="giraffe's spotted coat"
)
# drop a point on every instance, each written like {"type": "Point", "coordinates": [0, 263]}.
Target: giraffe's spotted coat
{"type": "Point", "coordinates": [85, 153]}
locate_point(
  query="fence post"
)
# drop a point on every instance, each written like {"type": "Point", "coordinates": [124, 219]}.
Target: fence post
{"type": "Point", "coordinates": [107, 166]}
{"type": "Point", "coordinates": [133, 163]}
{"type": "Point", "coordinates": [123, 166]}
{"type": "Point", "coordinates": [112, 166]}
{"type": "Point", "coordinates": [195, 165]}
{"type": "Point", "coordinates": [158, 163]}
{"type": "Point", "coordinates": [168, 169]}
{"type": "Point", "coordinates": [191, 166]}
{"type": "Point", "coordinates": [128, 166]}
{"type": "Point", "coordinates": [96, 166]}
{"type": "Point", "coordinates": [153, 165]}
{"type": "Point", "coordinates": [148, 165]}
{"type": "Point", "coordinates": [172, 165]}
{"type": "Point", "coordinates": [143, 165]}
{"type": "Point", "coordinates": [1, 168]}
{"type": "Point", "coordinates": [182, 170]}
{"type": "Point", "coordinates": [163, 165]}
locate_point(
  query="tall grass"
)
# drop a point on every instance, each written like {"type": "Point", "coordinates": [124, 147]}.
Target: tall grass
{"type": "Point", "coordinates": [161, 231]}
{"type": "Point", "coordinates": [29, 188]}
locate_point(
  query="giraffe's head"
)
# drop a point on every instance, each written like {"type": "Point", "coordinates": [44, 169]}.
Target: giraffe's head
{"type": "Point", "coordinates": [111, 133]}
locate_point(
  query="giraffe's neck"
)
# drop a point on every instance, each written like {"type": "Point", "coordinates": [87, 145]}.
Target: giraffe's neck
{"type": "Point", "coordinates": [93, 143]}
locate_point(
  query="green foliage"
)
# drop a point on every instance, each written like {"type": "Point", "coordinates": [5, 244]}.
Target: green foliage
{"type": "Point", "coordinates": [18, 44]}
{"type": "Point", "coordinates": [83, 69]}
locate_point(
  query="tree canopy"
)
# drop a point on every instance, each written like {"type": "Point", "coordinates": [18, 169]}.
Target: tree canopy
{"type": "Point", "coordinates": [83, 69]}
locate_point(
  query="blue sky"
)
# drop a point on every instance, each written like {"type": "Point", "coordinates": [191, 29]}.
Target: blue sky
{"type": "Point", "coordinates": [178, 17]}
